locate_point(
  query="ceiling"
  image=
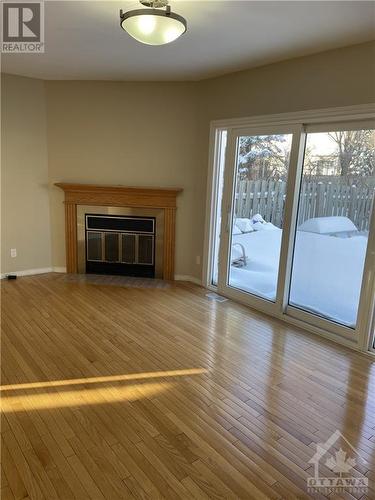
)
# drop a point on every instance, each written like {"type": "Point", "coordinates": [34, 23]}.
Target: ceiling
{"type": "Point", "coordinates": [84, 40]}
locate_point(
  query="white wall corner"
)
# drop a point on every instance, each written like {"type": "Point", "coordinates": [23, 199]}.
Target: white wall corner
{"type": "Point", "coordinates": [59, 269]}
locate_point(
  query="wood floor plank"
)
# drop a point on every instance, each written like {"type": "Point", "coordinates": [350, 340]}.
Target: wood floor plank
{"type": "Point", "coordinates": [31, 481]}
{"type": "Point", "coordinates": [114, 392]}
{"type": "Point", "coordinates": [6, 493]}
{"type": "Point", "coordinates": [13, 477]}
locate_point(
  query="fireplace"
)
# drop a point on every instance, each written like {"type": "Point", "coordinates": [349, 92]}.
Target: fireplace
{"type": "Point", "coordinates": [118, 244]}
{"type": "Point", "coordinates": [120, 229]}
{"type": "Point", "coordinates": [120, 241]}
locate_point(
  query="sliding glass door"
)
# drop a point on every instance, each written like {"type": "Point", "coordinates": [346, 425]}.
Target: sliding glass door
{"type": "Point", "coordinates": [333, 221]}
{"type": "Point", "coordinates": [255, 197]}
{"type": "Point", "coordinates": [294, 222]}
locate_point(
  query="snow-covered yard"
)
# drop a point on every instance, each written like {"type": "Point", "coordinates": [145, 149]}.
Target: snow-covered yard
{"type": "Point", "coordinates": [327, 271]}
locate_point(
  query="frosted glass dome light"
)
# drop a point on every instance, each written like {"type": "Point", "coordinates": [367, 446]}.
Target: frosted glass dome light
{"type": "Point", "coordinates": [152, 26]}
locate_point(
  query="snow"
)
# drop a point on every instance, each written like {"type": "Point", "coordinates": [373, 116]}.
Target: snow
{"type": "Point", "coordinates": [260, 274]}
{"type": "Point", "coordinates": [326, 277]}
{"type": "Point", "coordinates": [328, 225]}
{"type": "Point", "coordinates": [244, 225]}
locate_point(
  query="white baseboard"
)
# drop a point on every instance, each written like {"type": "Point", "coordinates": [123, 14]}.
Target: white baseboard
{"type": "Point", "coordinates": [28, 272]}
{"type": "Point", "coordinates": [191, 279]}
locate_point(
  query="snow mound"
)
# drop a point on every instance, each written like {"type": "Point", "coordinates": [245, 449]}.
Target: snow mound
{"type": "Point", "coordinates": [328, 225]}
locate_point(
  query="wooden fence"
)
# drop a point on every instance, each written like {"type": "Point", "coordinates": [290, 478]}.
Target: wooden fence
{"type": "Point", "coordinates": [317, 199]}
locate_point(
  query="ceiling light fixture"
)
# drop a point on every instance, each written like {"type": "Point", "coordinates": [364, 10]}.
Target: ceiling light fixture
{"type": "Point", "coordinates": [153, 26]}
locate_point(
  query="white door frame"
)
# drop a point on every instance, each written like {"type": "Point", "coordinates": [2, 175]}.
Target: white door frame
{"type": "Point", "coordinates": [281, 122]}
{"type": "Point", "coordinates": [216, 140]}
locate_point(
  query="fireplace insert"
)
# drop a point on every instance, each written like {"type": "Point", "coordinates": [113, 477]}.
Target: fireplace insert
{"type": "Point", "coordinates": [122, 245]}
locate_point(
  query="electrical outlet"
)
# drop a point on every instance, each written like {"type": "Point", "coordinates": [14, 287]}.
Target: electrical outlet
{"type": "Point", "coordinates": [198, 260]}
{"type": "Point", "coordinates": [13, 252]}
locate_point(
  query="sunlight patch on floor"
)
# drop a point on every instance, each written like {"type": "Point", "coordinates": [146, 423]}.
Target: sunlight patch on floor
{"type": "Point", "coordinates": [109, 378]}
{"type": "Point", "coordinates": [82, 397]}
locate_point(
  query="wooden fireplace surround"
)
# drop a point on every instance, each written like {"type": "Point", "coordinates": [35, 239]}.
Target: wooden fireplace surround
{"type": "Point", "coordinates": [120, 196]}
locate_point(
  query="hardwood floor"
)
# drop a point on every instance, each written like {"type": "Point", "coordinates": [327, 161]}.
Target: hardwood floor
{"type": "Point", "coordinates": [111, 392]}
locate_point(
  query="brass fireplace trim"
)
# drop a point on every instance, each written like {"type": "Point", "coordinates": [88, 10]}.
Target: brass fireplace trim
{"type": "Point", "coordinates": [120, 196]}
{"type": "Point", "coordinates": [82, 210]}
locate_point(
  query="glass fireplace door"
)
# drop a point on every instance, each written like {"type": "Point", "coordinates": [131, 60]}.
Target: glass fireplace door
{"type": "Point", "coordinates": [120, 245]}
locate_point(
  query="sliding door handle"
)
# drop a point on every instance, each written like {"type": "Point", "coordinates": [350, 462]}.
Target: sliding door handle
{"type": "Point", "coordinates": [229, 220]}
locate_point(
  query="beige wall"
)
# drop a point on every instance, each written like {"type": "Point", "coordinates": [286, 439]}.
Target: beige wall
{"type": "Point", "coordinates": [25, 223]}
{"type": "Point", "coordinates": [338, 77]}
{"type": "Point", "coordinates": [134, 134]}
{"type": "Point", "coordinates": [156, 134]}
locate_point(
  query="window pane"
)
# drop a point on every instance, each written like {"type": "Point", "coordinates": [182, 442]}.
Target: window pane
{"type": "Point", "coordinates": [260, 190]}
{"type": "Point", "coordinates": [334, 212]}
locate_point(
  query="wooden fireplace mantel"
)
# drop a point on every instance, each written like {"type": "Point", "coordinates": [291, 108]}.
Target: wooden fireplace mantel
{"type": "Point", "coordinates": [120, 196]}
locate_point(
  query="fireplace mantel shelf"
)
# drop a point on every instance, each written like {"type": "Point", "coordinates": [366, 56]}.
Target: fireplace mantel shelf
{"type": "Point", "coordinates": [120, 196]}
{"type": "Point", "coordinates": [156, 197]}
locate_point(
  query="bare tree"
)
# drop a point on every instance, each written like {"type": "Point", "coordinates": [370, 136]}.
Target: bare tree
{"type": "Point", "coordinates": [356, 152]}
